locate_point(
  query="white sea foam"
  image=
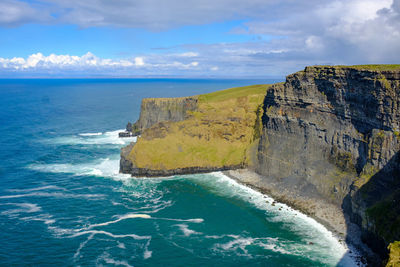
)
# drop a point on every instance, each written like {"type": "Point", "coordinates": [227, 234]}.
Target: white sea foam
{"type": "Point", "coordinates": [105, 167]}
{"type": "Point", "coordinates": [24, 208]}
{"type": "Point", "coordinates": [82, 245]}
{"type": "Point", "coordinates": [107, 138]}
{"type": "Point", "coordinates": [55, 195]}
{"type": "Point", "coordinates": [239, 244]}
{"type": "Point", "coordinates": [147, 253]}
{"type": "Point", "coordinates": [45, 218]}
{"type": "Point", "coordinates": [101, 232]}
{"type": "Point", "coordinates": [47, 187]}
{"type": "Point", "coordinates": [121, 218]}
{"type": "Point", "coordinates": [121, 245]}
{"type": "Point", "coordinates": [236, 244]}
{"type": "Point", "coordinates": [325, 243]}
{"type": "Point", "coordinates": [197, 220]}
{"type": "Point", "coordinates": [90, 134]}
{"type": "Point", "coordinates": [186, 231]}
{"type": "Point", "coordinates": [106, 257]}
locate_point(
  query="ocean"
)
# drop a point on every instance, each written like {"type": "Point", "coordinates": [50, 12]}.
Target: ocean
{"type": "Point", "coordinates": [63, 202]}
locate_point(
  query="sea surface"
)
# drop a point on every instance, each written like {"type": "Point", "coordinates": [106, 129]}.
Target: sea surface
{"type": "Point", "coordinates": [63, 202]}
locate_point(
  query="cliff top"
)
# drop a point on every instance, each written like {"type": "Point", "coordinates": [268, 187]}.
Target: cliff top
{"type": "Point", "coordinates": [371, 67]}
{"type": "Point", "coordinates": [236, 92]}
{"type": "Point", "coordinates": [217, 133]}
{"type": "Point", "coordinates": [163, 99]}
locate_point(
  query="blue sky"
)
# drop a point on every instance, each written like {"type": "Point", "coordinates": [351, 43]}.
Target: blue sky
{"type": "Point", "coordinates": [207, 38]}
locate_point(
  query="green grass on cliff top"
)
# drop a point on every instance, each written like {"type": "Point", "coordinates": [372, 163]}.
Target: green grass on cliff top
{"type": "Point", "coordinates": [394, 256]}
{"type": "Point", "coordinates": [377, 67]}
{"type": "Point", "coordinates": [219, 133]}
{"type": "Point", "coordinates": [236, 92]}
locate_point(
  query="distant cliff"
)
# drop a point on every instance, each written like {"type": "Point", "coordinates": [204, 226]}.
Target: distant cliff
{"type": "Point", "coordinates": [154, 110]}
{"type": "Point", "coordinates": [328, 134]}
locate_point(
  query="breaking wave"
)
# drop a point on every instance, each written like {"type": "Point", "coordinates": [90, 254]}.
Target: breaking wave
{"type": "Point", "coordinates": [106, 138]}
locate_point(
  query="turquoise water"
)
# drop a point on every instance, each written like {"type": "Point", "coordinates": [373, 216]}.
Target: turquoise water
{"type": "Point", "coordinates": [63, 202]}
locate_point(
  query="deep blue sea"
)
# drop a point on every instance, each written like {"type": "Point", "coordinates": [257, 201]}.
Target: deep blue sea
{"type": "Point", "coordinates": [63, 202]}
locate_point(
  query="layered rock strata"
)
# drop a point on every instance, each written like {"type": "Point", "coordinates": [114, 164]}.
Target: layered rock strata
{"type": "Point", "coordinates": [332, 133]}
{"type": "Point", "coordinates": [154, 110]}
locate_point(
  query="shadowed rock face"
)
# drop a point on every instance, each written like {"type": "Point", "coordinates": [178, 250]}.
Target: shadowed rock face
{"type": "Point", "coordinates": [154, 110]}
{"type": "Point", "coordinates": [329, 132]}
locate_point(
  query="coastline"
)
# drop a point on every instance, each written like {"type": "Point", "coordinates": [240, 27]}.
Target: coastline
{"type": "Point", "coordinates": [307, 206]}
{"type": "Point", "coordinates": [327, 214]}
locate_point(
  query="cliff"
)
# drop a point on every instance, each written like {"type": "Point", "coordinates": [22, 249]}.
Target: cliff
{"type": "Point", "coordinates": [154, 110]}
{"type": "Point", "coordinates": [326, 141]}
{"type": "Point", "coordinates": [198, 134]}
{"type": "Point", "coordinates": [332, 134]}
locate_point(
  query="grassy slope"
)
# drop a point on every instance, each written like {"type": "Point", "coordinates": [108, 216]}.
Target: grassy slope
{"type": "Point", "coordinates": [394, 256]}
{"type": "Point", "coordinates": [218, 134]}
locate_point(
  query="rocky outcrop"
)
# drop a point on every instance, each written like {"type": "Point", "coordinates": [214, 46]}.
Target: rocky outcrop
{"type": "Point", "coordinates": [154, 110]}
{"type": "Point", "coordinates": [125, 165]}
{"type": "Point", "coordinates": [210, 132]}
{"type": "Point", "coordinates": [146, 172]}
{"type": "Point", "coordinates": [332, 133]}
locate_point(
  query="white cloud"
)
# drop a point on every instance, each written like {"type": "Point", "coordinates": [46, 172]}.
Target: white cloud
{"type": "Point", "coordinates": [189, 54]}
{"type": "Point", "coordinates": [139, 61]}
{"type": "Point", "coordinates": [91, 64]}
{"type": "Point", "coordinates": [39, 61]}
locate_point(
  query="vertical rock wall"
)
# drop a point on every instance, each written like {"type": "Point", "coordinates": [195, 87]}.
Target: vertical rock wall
{"type": "Point", "coordinates": [154, 110]}
{"type": "Point", "coordinates": [333, 133]}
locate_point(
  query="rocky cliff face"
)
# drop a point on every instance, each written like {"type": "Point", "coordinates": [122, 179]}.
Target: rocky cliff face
{"type": "Point", "coordinates": [332, 133]}
{"type": "Point", "coordinates": [154, 110]}
{"type": "Point", "coordinates": [210, 132]}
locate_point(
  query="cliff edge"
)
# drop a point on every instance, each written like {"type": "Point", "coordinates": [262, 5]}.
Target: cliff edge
{"type": "Point", "coordinates": [202, 133]}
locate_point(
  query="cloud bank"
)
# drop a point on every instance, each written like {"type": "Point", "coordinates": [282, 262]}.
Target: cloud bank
{"type": "Point", "coordinates": [91, 65]}
{"type": "Point", "coordinates": [287, 34]}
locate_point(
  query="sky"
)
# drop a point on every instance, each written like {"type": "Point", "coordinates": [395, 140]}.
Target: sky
{"type": "Point", "coordinates": [193, 38]}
